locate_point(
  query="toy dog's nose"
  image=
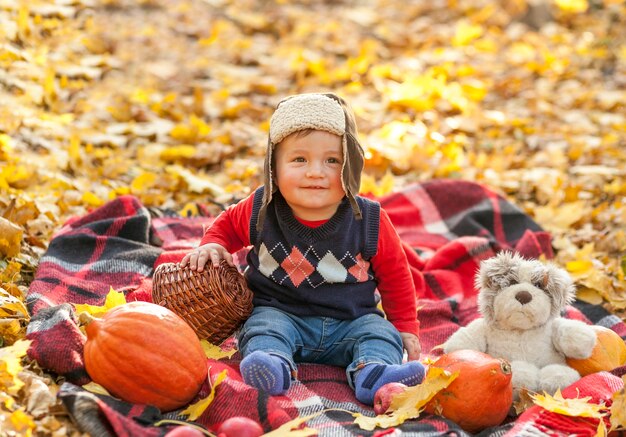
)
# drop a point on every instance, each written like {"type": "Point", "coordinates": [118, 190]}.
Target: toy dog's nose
{"type": "Point", "coordinates": [523, 297]}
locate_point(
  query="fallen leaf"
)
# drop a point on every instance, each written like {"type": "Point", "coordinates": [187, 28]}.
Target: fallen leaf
{"type": "Point", "coordinates": [575, 407]}
{"type": "Point", "coordinates": [196, 409]}
{"type": "Point", "coordinates": [574, 6]}
{"type": "Point", "coordinates": [292, 428]}
{"type": "Point", "coordinates": [215, 352]}
{"type": "Point", "coordinates": [113, 299]}
{"type": "Point", "coordinates": [618, 409]}
{"type": "Point", "coordinates": [409, 404]}
{"type": "Point", "coordinates": [96, 388]}
{"type": "Point", "coordinates": [10, 238]}
{"type": "Point", "coordinates": [11, 366]}
{"type": "Point", "coordinates": [562, 217]}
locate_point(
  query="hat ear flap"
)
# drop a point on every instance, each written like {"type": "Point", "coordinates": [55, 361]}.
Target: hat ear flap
{"type": "Point", "coordinates": [268, 183]}
{"type": "Point", "coordinates": [352, 167]}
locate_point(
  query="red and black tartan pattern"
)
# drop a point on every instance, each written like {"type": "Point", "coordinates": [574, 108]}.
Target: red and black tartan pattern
{"type": "Point", "coordinates": [447, 228]}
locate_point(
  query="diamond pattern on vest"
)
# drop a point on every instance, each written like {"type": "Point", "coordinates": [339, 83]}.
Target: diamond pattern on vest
{"type": "Point", "coordinates": [359, 270]}
{"type": "Point", "coordinates": [331, 269]}
{"type": "Point", "coordinates": [297, 267]}
{"type": "Point", "coordinates": [267, 264]}
{"type": "Point", "coordinates": [279, 264]}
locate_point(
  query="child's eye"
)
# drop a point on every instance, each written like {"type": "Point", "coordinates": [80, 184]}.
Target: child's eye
{"type": "Point", "coordinates": [334, 161]}
{"type": "Point", "coordinates": [299, 159]}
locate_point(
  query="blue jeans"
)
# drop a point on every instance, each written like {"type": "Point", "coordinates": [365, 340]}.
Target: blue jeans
{"type": "Point", "coordinates": [324, 340]}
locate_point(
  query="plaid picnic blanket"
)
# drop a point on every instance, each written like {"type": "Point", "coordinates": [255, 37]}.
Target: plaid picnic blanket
{"type": "Point", "coordinates": [447, 227]}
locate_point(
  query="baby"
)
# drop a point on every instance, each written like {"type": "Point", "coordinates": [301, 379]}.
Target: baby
{"type": "Point", "coordinates": [319, 254]}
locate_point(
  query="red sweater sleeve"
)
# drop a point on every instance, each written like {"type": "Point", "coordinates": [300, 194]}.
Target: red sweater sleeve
{"type": "Point", "coordinates": [395, 283]}
{"type": "Point", "coordinates": [231, 228]}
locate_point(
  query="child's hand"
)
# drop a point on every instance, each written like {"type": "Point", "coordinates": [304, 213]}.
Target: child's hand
{"type": "Point", "coordinates": [412, 345]}
{"type": "Point", "coordinates": [212, 252]}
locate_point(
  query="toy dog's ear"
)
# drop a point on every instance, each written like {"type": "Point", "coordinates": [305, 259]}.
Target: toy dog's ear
{"type": "Point", "coordinates": [496, 272]}
{"type": "Point", "coordinates": [560, 286]}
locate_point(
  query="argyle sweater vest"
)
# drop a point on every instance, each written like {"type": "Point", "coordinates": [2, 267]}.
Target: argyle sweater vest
{"type": "Point", "coordinates": [323, 271]}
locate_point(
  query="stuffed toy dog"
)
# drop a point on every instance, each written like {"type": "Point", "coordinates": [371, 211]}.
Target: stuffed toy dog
{"type": "Point", "coordinates": [521, 302]}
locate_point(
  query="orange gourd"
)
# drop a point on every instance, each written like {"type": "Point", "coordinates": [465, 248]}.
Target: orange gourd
{"type": "Point", "coordinates": [481, 395]}
{"type": "Point", "coordinates": [608, 353]}
{"type": "Point", "coordinates": [144, 353]}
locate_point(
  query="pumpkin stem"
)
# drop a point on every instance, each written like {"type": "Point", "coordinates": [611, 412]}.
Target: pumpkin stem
{"type": "Point", "coordinates": [85, 318]}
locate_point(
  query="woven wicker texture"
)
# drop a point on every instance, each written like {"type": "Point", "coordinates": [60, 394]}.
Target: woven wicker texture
{"type": "Point", "coordinates": [214, 302]}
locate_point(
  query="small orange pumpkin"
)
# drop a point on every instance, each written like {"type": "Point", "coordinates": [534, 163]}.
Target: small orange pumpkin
{"type": "Point", "coordinates": [480, 397]}
{"type": "Point", "coordinates": [145, 354]}
{"type": "Point", "coordinates": [608, 353]}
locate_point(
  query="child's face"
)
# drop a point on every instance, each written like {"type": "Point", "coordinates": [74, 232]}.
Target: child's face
{"type": "Point", "coordinates": [308, 174]}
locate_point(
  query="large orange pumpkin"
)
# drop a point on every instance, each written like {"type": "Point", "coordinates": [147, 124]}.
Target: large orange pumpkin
{"type": "Point", "coordinates": [608, 353]}
{"type": "Point", "coordinates": [145, 354]}
{"type": "Point", "coordinates": [480, 397]}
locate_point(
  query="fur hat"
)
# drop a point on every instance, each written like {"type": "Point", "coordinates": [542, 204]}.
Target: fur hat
{"type": "Point", "coordinates": [326, 112]}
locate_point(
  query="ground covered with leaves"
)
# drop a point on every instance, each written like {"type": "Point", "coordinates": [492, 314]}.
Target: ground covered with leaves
{"type": "Point", "coordinates": [169, 100]}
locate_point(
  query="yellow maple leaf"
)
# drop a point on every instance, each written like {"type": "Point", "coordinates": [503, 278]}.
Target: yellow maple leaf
{"type": "Point", "coordinates": [409, 404]}
{"type": "Point", "coordinates": [174, 153]}
{"type": "Point", "coordinates": [574, 407]}
{"type": "Point", "coordinates": [195, 410]}
{"type": "Point", "coordinates": [96, 388]}
{"type": "Point", "coordinates": [618, 409]}
{"type": "Point", "coordinates": [6, 147]}
{"type": "Point", "coordinates": [143, 181]}
{"type": "Point", "coordinates": [195, 183]}
{"type": "Point", "coordinates": [575, 6]}
{"type": "Point", "coordinates": [113, 299]}
{"type": "Point", "coordinates": [189, 210]}
{"type": "Point", "coordinates": [10, 238]}
{"type": "Point", "coordinates": [11, 365]}
{"type": "Point", "coordinates": [378, 189]}
{"type": "Point", "coordinates": [215, 352]}
{"type": "Point", "coordinates": [562, 217]}
{"type": "Point", "coordinates": [466, 33]}
{"type": "Point", "coordinates": [92, 199]}
{"type": "Point", "coordinates": [287, 429]}
{"type": "Point", "coordinates": [11, 305]}
{"type": "Point", "coordinates": [579, 266]}
{"type": "Point", "coordinates": [22, 422]}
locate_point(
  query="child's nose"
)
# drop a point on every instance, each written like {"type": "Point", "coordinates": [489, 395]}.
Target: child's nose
{"type": "Point", "coordinates": [315, 170]}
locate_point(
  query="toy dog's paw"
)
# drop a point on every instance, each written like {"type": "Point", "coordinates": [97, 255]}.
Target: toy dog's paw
{"type": "Point", "coordinates": [576, 339]}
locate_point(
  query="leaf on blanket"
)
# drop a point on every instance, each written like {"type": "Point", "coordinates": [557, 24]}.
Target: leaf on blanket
{"type": "Point", "coordinates": [618, 409]}
{"type": "Point", "coordinates": [288, 429]}
{"type": "Point", "coordinates": [215, 352]}
{"type": "Point", "coordinates": [195, 410]}
{"type": "Point", "coordinates": [113, 299]}
{"type": "Point", "coordinates": [96, 388]}
{"type": "Point", "coordinates": [575, 407]}
{"type": "Point", "coordinates": [409, 404]}
{"type": "Point", "coordinates": [11, 365]}
{"type": "Point", "coordinates": [524, 402]}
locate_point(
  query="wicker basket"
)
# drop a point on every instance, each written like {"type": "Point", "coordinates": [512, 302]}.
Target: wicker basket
{"type": "Point", "coordinates": [214, 302]}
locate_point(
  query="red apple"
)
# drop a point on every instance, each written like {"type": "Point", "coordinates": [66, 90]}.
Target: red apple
{"type": "Point", "coordinates": [385, 394]}
{"type": "Point", "coordinates": [239, 427]}
{"type": "Point", "coordinates": [184, 431]}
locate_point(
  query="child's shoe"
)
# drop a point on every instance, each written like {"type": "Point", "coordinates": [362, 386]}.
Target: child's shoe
{"type": "Point", "coordinates": [373, 376]}
{"type": "Point", "coordinates": [266, 372]}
